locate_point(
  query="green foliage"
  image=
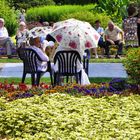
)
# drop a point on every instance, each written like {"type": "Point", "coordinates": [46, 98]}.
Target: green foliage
{"type": "Point", "coordinates": [53, 13]}
{"type": "Point", "coordinates": [61, 116]}
{"type": "Point", "coordinates": [81, 2]}
{"type": "Point", "coordinates": [115, 8]}
{"type": "Point", "coordinates": [132, 64]}
{"type": "Point", "coordinates": [88, 17]}
{"type": "Point", "coordinates": [25, 4]}
{"type": "Point", "coordinates": [9, 16]}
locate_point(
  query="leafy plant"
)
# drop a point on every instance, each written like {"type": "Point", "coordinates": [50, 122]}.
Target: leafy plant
{"type": "Point", "coordinates": [9, 16]}
{"type": "Point", "coordinates": [132, 64]}
{"type": "Point", "coordinates": [88, 17]}
{"type": "Point", "coordinates": [61, 116]}
{"type": "Point", "coordinates": [116, 86]}
{"type": "Point", "coordinates": [115, 8]}
{"type": "Point", "coordinates": [25, 4]}
{"type": "Point", "coordinates": [53, 13]}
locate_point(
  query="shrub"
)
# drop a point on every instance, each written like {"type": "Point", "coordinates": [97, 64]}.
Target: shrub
{"type": "Point", "coordinates": [9, 17]}
{"type": "Point", "coordinates": [132, 64]}
{"type": "Point", "coordinates": [25, 4]}
{"type": "Point", "coordinates": [65, 117]}
{"type": "Point", "coordinates": [53, 13]}
{"type": "Point", "coordinates": [88, 17]}
{"type": "Point", "coordinates": [115, 8]}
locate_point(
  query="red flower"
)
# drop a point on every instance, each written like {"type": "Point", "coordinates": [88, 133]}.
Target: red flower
{"type": "Point", "coordinates": [43, 85]}
{"type": "Point", "coordinates": [59, 38]}
{"type": "Point", "coordinates": [1, 85]}
{"type": "Point", "coordinates": [88, 44]}
{"type": "Point", "coordinates": [46, 86]}
{"type": "Point", "coordinates": [73, 45]}
{"type": "Point", "coordinates": [22, 87]}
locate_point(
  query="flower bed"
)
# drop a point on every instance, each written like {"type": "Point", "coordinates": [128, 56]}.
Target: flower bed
{"type": "Point", "coordinates": [69, 112]}
{"type": "Point", "coordinates": [61, 116]}
{"type": "Point", "coordinates": [116, 86]}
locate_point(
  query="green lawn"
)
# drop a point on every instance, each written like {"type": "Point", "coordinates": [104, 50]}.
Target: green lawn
{"type": "Point", "coordinates": [105, 60]}
{"type": "Point", "coordinates": [92, 60]}
{"type": "Point", "coordinates": [47, 80]}
{"type": "Point", "coordinates": [13, 60]}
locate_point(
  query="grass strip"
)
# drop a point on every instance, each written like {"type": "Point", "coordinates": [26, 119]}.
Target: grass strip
{"type": "Point", "coordinates": [92, 60]}
{"type": "Point", "coordinates": [13, 60]}
{"type": "Point", "coordinates": [47, 80]}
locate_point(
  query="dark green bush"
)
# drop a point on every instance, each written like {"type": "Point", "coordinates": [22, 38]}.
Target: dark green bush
{"type": "Point", "coordinates": [81, 2]}
{"type": "Point", "coordinates": [9, 16]}
{"type": "Point", "coordinates": [53, 13]}
{"type": "Point", "coordinates": [88, 17]}
{"type": "Point", "coordinates": [132, 64]}
{"type": "Point", "coordinates": [25, 4]}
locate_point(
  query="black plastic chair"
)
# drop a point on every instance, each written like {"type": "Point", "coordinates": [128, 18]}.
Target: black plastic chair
{"type": "Point", "coordinates": [67, 65]}
{"type": "Point", "coordinates": [86, 61]}
{"type": "Point", "coordinates": [30, 59]}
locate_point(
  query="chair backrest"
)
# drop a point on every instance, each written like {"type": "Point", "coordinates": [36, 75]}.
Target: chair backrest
{"type": "Point", "coordinates": [67, 62]}
{"type": "Point", "coordinates": [29, 58]}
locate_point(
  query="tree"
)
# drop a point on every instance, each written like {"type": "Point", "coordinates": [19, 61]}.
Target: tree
{"type": "Point", "coordinates": [9, 16]}
{"type": "Point", "coordinates": [25, 4]}
{"type": "Point", "coordinates": [79, 2]}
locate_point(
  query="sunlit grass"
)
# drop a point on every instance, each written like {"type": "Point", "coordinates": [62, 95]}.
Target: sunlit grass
{"type": "Point", "coordinates": [92, 60]}
{"type": "Point", "coordinates": [47, 80]}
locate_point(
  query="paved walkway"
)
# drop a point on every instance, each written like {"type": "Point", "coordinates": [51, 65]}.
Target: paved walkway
{"type": "Point", "coordinates": [111, 70]}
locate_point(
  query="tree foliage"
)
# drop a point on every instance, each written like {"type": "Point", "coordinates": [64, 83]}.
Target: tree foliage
{"type": "Point", "coordinates": [36, 3]}
{"type": "Point", "coordinates": [88, 17]}
{"type": "Point", "coordinates": [79, 2]}
{"type": "Point", "coordinates": [9, 16]}
{"type": "Point", "coordinates": [117, 9]}
{"type": "Point", "coordinates": [25, 4]}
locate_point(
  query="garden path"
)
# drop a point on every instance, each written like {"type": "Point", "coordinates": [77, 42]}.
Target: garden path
{"type": "Point", "coordinates": [110, 70]}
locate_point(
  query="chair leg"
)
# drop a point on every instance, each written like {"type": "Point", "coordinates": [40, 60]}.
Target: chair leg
{"type": "Point", "coordinates": [56, 79]}
{"type": "Point", "coordinates": [51, 78]}
{"type": "Point", "coordinates": [33, 79]}
{"type": "Point", "coordinates": [39, 74]}
{"type": "Point", "coordinates": [77, 79]}
{"type": "Point", "coordinates": [23, 77]}
{"type": "Point", "coordinates": [84, 63]}
{"type": "Point", "coordinates": [80, 74]}
{"type": "Point", "coordinates": [67, 79]}
{"type": "Point", "coordinates": [55, 76]}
